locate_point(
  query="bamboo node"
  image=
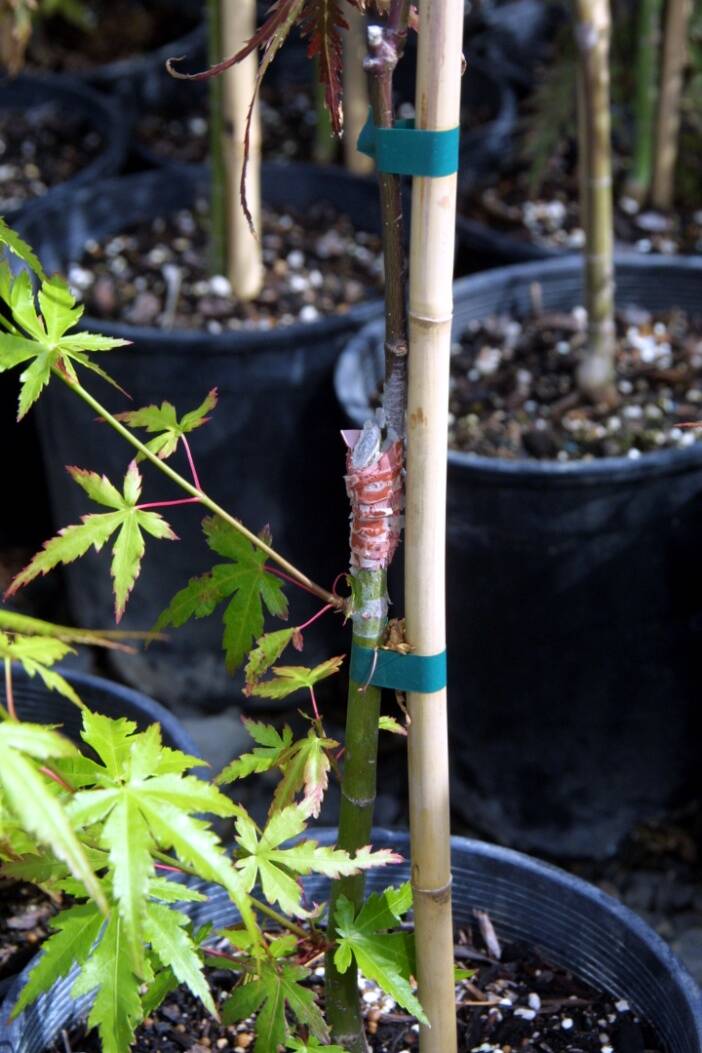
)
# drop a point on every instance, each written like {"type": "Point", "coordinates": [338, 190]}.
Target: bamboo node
{"type": "Point", "coordinates": [437, 895]}
{"type": "Point", "coordinates": [423, 319]}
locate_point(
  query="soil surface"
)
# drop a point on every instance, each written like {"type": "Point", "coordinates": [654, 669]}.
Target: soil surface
{"type": "Point", "coordinates": [113, 30]}
{"type": "Point", "coordinates": [550, 216]}
{"type": "Point", "coordinates": [514, 392]}
{"type": "Point", "coordinates": [520, 1003]}
{"type": "Point", "coordinates": [179, 130]}
{"type": "Point", "coordinates": [25, 914]}
{"type": "Point", "coordinates": [156, 274]}
{"type": "Point", "coordinates": [40, 148]}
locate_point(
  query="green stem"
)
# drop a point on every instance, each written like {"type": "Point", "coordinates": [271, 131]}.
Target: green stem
{"type": "Point", "coordinates": [648, 33]}
{"type": "Point", "coordinates": [189, 488]}
{"type": "Point", "coordinates": [358, 791]}
{"type": "Point", "coordinates": [218, 164]}
{"type": "Point", "coordinates": [324, 150]}
{"type": "Point", "coordinates": [270, 912]}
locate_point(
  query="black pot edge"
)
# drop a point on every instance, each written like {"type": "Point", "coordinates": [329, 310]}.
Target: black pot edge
{"type": "Point", "coordinates": [399, 839]}
{"type": "Point", "coordinates": [179, 341]}
{"type": "Point", "coordinates": [155, 711]}
{"type": "Point", "coordinates": [539, 473]}
{"type": "Point", "coordinates": [108, 76]}
{"type": "Point", "coordinates": [118, 119]}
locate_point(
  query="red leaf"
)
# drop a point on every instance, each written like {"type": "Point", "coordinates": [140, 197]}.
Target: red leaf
{"type": "Point", "coordinates": [322, 23]}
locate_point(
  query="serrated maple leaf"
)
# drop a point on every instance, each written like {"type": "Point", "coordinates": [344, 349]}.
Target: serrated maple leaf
{"type": "Point", "coordinates": [384, 956]}
{"type": "Point", "coordinates": [39, 331]}
{"type": "Point", "coordinates": [31, 800]}
{"type": "Point", "coordinates": [243, 581]}
{"type": "Point", "coordinates": [305, 765]}
{"type": "Point", "coordinates": [36, 655]}
{"type": "Point", "coordinates": [266, 755]}
{"type": "Point", "coordinates": [127, 520]}
{"type": "Point", "coordinates": [275, 866]}
{"type": "Point", "coordinates": [163, 422]}
{"type": "Point", "coordinates": [275, 987]}
{"type": "Point", "coordinates": [290, 678]}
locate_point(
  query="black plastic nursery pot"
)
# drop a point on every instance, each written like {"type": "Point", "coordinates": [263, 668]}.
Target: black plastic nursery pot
{"type": "Point", "coordinates": [572, 923]}
{"type": "Point", "coordinates": [36, 704]}
{"type": "Point", "coordinates": [137, 77]}
{"type": "Point", "coordinates": [272, 453]}
{"type": "Point", "coordinates": [574, 600]}
{"type": "Point", "coordinates": [32, 93]}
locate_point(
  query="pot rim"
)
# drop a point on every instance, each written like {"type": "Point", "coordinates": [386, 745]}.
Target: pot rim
{"type": "Point", "coordinates": [180, 341]}
{"type": "Point", "coordinates": [552, 473]}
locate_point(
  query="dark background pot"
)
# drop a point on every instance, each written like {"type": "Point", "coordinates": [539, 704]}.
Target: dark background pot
{"type": "Point", "coordinates": [272, 452]}
{"type": "Point", "coordinates": [573, 923]}
{"type": "Point", "coordinates": [36, 704]}
{"type": "Point", "coordinates": [136, 79]}
{"type": "Point", "coordinates": [574, 596]}
{"type": "Point", "coordinates": [30, 513]}
{"type": "Point", "coordinates": [112, 121]}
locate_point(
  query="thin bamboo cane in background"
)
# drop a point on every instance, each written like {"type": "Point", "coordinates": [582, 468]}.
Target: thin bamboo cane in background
{"type": "Point", "coordinates": [668, 126]}
{"type": "Point", "coordinates": [218, 164]}
{"type": "Point", "coordinates": [244, 264]}
{"type": "Point", "coordinates": [592, 33]}
{"type": "Point", "coordinates": [355, 92]}
{"type": "Point", "coordinates": [649, 35]}
{"type": "Point", "coordinates": [430, 312]}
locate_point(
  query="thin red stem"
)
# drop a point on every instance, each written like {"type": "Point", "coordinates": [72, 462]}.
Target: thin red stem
{"type": "Point", "coordinates": [9, 693]}
{"type": "Point", "coordinates": [286, 577]}
{"type": "Point", "coordinates": [313, 619]}
{"type": "Point", "coordinates": [173, 870]}
{"type": "Point", "coordinates": [337, 579]}
{"type": "Point", "coordinates": [314, 704]}
{"type": "Point", "coordinates": [170, 504]}
{"type": "Point", "coordinates": [54, 775]}
{"type": "Point", "coordinates": [191, 462]}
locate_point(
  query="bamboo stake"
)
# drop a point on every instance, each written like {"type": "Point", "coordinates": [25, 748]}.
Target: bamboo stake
{"type": "Point", "coordinates": [355, 92]}
{"type": "Point", "coordinates": [649, 34]}
{"type": "Point", "coordinates": [430, 312]}
{"type": "Point", "coordinates": [668, 125]}
{"type": "Point", "coordinates": [245, 267]}
{"type": "Point", "coordinates": [592, 33]}
{"type": "Point", "coordinates": [218, 177]}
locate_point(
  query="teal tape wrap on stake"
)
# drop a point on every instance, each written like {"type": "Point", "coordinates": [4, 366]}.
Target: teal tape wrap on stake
{"type": "Point", "coordinates": [422, 673]}
{"type": "Point", "coordinates": [406, 150]}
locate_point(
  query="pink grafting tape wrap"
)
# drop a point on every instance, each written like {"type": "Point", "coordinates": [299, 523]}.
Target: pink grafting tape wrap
{"type": "Point", "coordinates": [375, 493]}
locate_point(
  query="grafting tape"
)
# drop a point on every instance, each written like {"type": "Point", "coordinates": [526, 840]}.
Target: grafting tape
{"type": "Point", "coordinates": [406, 150]}
{"type": "Point", "coordinates": [421, 673]}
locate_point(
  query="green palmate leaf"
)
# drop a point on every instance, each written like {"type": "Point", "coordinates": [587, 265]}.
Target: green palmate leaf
{"type": "Point", "coordinates": [127, 520]}
{"type": "Point", "coordinates": [311, 1045]}
{"type": "Point", "coordinates": [163, 422]}
{"type": "Point", "coordinates": [382, 956]}
{"type": "Point", "coordinates": [290, 678]}
{"type": "Point", "coordinates": [276, 867]}
{"type": "Point", "coordinates": [243, 581]}
{"type": "Point", "coordinates": [268, 650]}
{"type": "Point", "coordinates": [391, 724]}
{"type": "Point", "coordinates": [271, 747]}
{"type": "Point", "coordinates": [12, 241]}
{"type": "Point", "coordinates": [128, 840]}
{"type": "Point", "coordinates": [41, 338]}
{"type": "Point", "coordinates": [276, 987]}
{"type": "Point", "coordinates": [305, 766]}
{"type": "Point", "coordinates": [174, 892]}
{"type": "Point", "coordinates": [36, 655]}
{"type": "Point", "coordinates": [77, 929]}
{"type": "Point", "coordinates": [117, 1009]}
{"type": "Point", "coordinates": [163, 984]}
{"type": "Point", "coordinates": [167, 932]}
{"type": "Point", "coordinates": [34, 804]}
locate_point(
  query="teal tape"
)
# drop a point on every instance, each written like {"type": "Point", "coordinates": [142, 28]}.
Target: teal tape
{"type": "Point", "coordinates": [423, 673]}
{"type": "Point", "coordinates": [406, 150]}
